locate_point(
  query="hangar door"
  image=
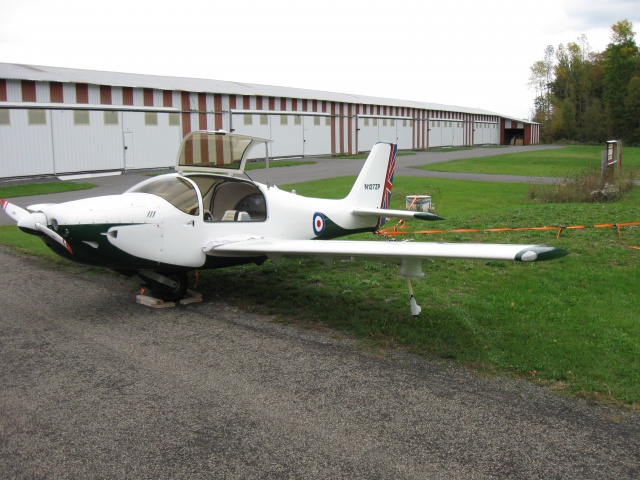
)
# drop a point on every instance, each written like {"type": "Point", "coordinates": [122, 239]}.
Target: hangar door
{"type": "Point", "coordinates": [446, 133]}
{"type": "Point", "coordinates": [371, 130]}
{"type": "Point", "coordinates": [292, 134]}
{"type": "Point", "coordinates": [486, 133]}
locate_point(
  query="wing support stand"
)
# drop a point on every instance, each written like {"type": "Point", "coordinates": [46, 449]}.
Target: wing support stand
{"type": "Point", "coordinates": [412, 268]}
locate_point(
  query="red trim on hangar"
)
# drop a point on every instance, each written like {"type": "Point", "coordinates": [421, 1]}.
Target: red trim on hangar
{"type": "Point", "coordinates": [105, 95]}
{"type": "Point", "coordinates": [202, 125]}
{"type": "Point", "coordinates": [3, 90]}
{"type": "Point", "coordinates": [82, 93]}
{"type": "Point", "coordinates": [167, 98]}
{"type": "Point", "coordinates": [186, 124]}
{"type": "Point", "coordinates": [148, 97]}
{"type": "Point", "coordinates": [55, 92]}
{"type": "Point", "coordinates": [28, 91]}
{"type": "Point", "coordinates": [217, 107]}
{"type": "Point", "coordinates": [127, 95]}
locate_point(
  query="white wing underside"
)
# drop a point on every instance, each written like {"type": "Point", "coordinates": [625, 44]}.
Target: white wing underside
{"type": "Point", "coordinates": [246, 245]}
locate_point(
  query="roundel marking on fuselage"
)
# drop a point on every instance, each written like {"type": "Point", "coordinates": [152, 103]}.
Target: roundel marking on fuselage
{"type": "Point", "coordinates": [318, 224]}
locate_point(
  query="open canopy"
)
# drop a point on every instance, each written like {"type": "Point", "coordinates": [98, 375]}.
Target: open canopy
{"type": "Point", "coordinates": [219, 152]}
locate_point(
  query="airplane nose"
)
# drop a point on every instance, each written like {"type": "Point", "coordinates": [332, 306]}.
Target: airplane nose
{"type": "Point", "coordinates": [28, 222]}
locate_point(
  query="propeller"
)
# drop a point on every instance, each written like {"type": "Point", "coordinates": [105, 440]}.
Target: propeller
{"type": "Point", "coordinates": [32, 221]}
{"type": "Point", "coordinates": [13, 211]}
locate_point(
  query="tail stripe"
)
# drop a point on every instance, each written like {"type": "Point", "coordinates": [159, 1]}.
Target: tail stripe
{"type": "Point", "coordinates": [388, 179]}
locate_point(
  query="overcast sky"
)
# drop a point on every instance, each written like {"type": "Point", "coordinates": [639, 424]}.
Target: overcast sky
{"type": "Point", "coordinates": [457, 52]}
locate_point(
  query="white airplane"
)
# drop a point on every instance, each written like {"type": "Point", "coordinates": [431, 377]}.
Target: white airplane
{"type": "Point", "coordinates": [210, 215]}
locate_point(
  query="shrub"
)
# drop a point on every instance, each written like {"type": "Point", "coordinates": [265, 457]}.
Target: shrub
{"type": "Point", "coordinates": [585, 188]}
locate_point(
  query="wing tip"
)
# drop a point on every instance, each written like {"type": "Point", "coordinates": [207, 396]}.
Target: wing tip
{"type": "Point", "coordinates": [539, 253]}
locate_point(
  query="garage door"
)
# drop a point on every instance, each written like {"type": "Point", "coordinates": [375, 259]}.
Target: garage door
{"type": "Point", "coordinates": [372, 130]}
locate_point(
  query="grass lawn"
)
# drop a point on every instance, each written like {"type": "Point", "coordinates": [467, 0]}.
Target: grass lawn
{"type": "Point", "coordinates": [571, 324]}
{"type": "Point", "coordinates": [42, 188]}
{"type": "Point", "coordinates": [563, 162]}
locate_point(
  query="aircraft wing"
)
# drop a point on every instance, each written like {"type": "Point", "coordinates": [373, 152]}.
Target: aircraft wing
{"type": "Point", "coordinates": [386, 213]}
{"type": "Point", "coordinates": [247, 245]}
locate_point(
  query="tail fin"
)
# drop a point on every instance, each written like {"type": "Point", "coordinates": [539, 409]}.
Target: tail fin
{"type": "Point", "coordinates": [373, 186]}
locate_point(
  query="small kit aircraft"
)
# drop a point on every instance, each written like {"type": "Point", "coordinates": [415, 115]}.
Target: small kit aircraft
{"type": "Point", "coordinates": [211, 215]}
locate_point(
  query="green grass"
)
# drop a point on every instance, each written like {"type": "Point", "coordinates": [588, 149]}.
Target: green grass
{"type": "Point", "coordinates": [12, 237]}
{"type": "Point", "coordinates": [563, 162]}
{"type": "Point", "coordinates": [570, 324]}
{"type": "Point", "coordinates": [42, 188]}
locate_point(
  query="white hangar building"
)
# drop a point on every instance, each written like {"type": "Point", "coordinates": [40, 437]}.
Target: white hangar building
{"type": "Point", "coordinates": [59, 120]}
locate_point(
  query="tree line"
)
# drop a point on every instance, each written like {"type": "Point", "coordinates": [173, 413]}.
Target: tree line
{"type": "Point", "coordinates": [588, 96]}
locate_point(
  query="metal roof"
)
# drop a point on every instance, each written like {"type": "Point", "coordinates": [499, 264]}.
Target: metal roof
{"type": "Point", "coordinates": [15, 71]}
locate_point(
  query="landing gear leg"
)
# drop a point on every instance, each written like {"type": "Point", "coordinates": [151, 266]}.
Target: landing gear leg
{"type": "Point", "coordinates": [170, 286]}
{"type": "Point", "coordinates": [415, 308]}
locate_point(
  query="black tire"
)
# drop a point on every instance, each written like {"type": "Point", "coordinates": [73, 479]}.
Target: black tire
{"type": "Point", "coordinates": [169, 294]}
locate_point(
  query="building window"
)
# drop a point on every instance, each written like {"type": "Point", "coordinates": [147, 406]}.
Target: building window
{"type": "Point", "coordinates": [297, 120]}
{"type": "Point", "coordinates": [284, 120]}
{"type": "Point", "coordinates": [151, 119]}
{"type": "Point", "coordinates": [174, 119]}
{"type": "Point", "coordinates": [393, 123]}
{"type": "Point", "coordinates": [384, 122]}
{"type": "Point", "coordinates": [111, 118]}
{"type": "Point", "coordinates": [366, 122]}
{"type": "Point", "coordinates": [316, 121]}
{"type": "Point", "coordinates": [264, 119]}
{"type": "Point", "coordinates": [37, 117]}
{"type": "Point", "coordinates": [375, 122]}
{"type": "Point", "coordinates": [327, 121]}
{"type": "Point", "coordinates": [5, 119]}
{"type": "Point", "coordinates": [247, 119]}
{"type": "Point", "coordinates": [81, 117]}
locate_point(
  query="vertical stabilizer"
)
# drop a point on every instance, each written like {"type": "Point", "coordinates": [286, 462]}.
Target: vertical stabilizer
{"type": "Point", "coordinates": [373, 186]}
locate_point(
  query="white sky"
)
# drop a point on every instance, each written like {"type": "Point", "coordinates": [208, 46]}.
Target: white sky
{"type": "Point", "coordinates": [457, 52]}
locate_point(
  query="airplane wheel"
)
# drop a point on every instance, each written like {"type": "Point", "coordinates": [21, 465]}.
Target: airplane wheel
{"type": "Point", "coordinates": [169, 294]}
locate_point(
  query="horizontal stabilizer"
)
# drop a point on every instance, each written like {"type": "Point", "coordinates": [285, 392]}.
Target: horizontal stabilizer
{"type": "Point", "coordinates": [386, 213]}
